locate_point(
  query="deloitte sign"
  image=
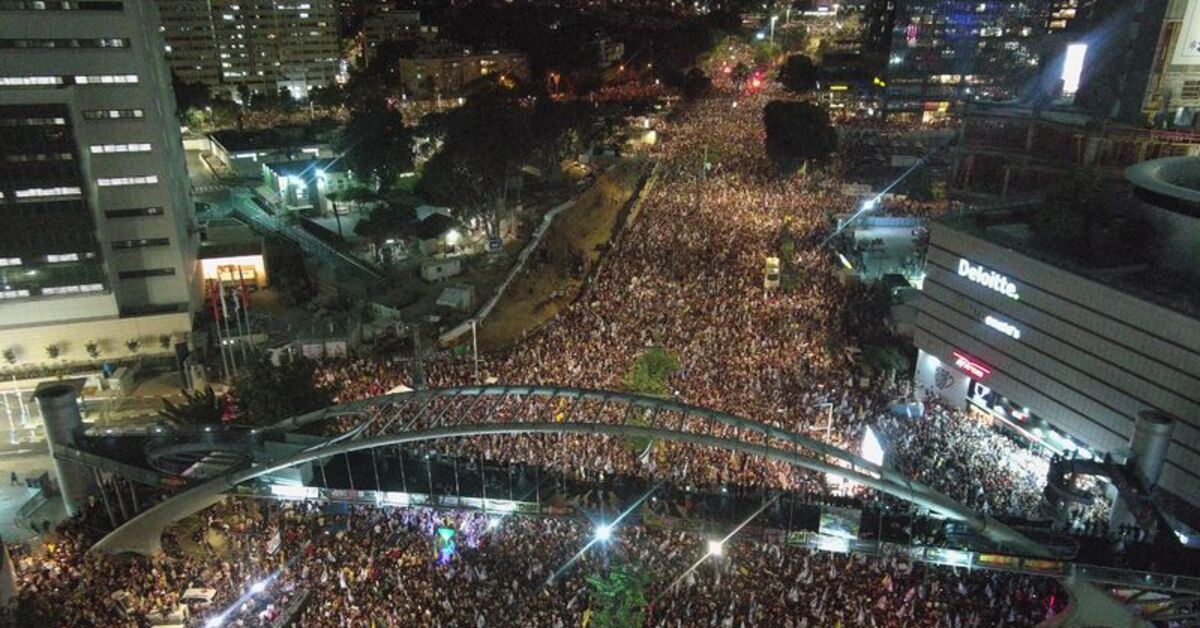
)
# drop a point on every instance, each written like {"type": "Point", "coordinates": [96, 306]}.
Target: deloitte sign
{"type": "Point", "coordinates": [987, 278]}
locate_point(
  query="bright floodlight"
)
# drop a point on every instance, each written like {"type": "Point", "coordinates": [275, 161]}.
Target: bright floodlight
{"type": "Point", "coordinates": [760, 36]}
{"type": "Point", "coordinates": [493, 523]}
{"type": "Point", "coordinates": [715, 547]}
{"type": "Point", "coordinates": [604, 533]}
{"type": "Point", "coordinates": [452, 237]}
{"type": "Point", "coordinates": [870, 204]}
{"type": "Point", "coordinates": [872, 450]}
{"type": "Point", "coordinates": [259, 587]}
{"type": "Point", "coordinates": [215, 622]}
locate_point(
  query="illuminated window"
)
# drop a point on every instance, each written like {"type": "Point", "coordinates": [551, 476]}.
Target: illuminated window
{"type": "Point", "coordinates": [99, 149]}
{"type": "Point", "coordinates": [126, 181]}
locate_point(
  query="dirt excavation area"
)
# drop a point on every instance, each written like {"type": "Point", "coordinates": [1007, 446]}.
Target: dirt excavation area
{"type": "Point", "coordinates": [573, 246]}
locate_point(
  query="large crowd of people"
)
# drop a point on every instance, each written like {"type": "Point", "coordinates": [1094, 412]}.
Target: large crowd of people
{"type": "Point", "coordinates": [363, 566]}
{"type": "Point", "coordinates": [687, 277]}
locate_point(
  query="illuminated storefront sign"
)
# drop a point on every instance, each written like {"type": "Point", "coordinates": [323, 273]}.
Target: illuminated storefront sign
{"type": "Point", "coordinates": [987, 278]}
{"type": "Point", "coordinates": [971, 366]}
{"type": "Point", "coordinates": [1002, 326]}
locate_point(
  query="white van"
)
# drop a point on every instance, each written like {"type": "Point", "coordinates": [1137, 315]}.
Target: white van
{"type": "Point", "coordinates": [198, 598]}
{"type": "Point", "coordinates": [169, 617]}
{"type": "Point", "coordinates": [771, 273]}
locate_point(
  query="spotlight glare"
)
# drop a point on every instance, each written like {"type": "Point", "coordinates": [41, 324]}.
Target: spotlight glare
{"type": "Point", "coordinates": [604, 533]}
{"type": "Point", "coordinates": [715, 547]}
{"type": "Point", "coordinates": [259, 587]}
{"type": "Point", "coordinates": [215, 622]}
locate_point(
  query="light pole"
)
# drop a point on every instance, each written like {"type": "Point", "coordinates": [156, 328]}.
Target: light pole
{"type": "Point", "coordinates": [475, 348]}
{"type": "Point", "coordinates": [774, 18]}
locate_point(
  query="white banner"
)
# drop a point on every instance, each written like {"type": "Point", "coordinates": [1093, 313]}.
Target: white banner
{"type": "Point", "coordinates": [1187, 45]}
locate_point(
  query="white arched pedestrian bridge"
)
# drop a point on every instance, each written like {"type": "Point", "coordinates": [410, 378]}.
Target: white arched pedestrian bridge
{"type": "Point", "coordinates": [431, 415]}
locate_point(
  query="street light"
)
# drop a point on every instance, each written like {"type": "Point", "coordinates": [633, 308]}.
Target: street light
{"type": "Point", "coordinates": [774, 18]}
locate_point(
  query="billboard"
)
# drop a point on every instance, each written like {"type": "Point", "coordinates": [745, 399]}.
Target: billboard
{"type": "Point", "coordinates": [1187, 45]}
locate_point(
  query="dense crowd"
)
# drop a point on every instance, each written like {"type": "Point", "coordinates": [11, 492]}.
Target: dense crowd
{"type": "Point", "coordinates": [687, 277]}
{"type": "Point", "coordinates": [363, 566]}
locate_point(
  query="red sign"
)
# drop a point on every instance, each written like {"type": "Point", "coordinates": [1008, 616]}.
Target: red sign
{"type": "Point", "coordinates": [971, 366]}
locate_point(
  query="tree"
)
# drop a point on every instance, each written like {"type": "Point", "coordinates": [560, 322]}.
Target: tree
{"type": "Point", "coordinates": [696, 84]}
{"type": "Point", "coordinates": [798, 74]}
{"type": "Point", "coordinates": [387, 222]}
{"type": "Point", "coordinates": [133, 344]}
{"type": "Point", "coordinates": [10, 356]}
{"type": "Point", "coordinates": [375, 143]}
{"type": "Point", "coordinates": [651, 372]}
{"type": "Point", "coordinates": [198, 408]}
{"type": "Point", "coordinates": [486, 143]}
{"type": "Point", "coordinates": [618, 599]}
{"type": "Point", "coordinates": [52, 351]}
{"type": "Point", "coordinates": [267, 393]}
{"type": "Point", "coordinates": [92, 348]}
{"type": "Point", "coordinates": [164, 341]}
{"type": "Point", "coordinates": [796, 133]}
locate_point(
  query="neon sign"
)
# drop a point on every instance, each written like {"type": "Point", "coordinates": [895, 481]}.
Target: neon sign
{"type": "Point", "coordinates": [987, 278]}
{"type": "Point", "coordinates": [971, 366]}
{"type": "Point", "coordinates": [1002, 326]}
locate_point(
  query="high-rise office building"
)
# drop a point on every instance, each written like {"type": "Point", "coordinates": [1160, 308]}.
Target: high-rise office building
{"type": "Point", "coordinates": [97, 249]}
{"type": "Point", "coordinates": [945, 52]}
{"type": "Point", "coordinates": [243, 47]}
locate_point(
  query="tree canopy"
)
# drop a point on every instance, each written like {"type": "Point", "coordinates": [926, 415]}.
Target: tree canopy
{"type": "Point", "coordinates": [618, 598]}
{"type": "Point", "coordinates": [798, 74]}
{"type": "Point", "coordinates": [388, 221]}
{"type": "Point", "coordinates": [375, 142]}
{"type": "Point", "coordinates": [796, 133]}
{"type": "Point", "coordinates": [651, 372]}
{"type": "Point", "coordinates": [267, 393]}
{"type": "Point", "coordinates": [197, 408]}
{"type": "Point", "coordinates": [485, 144]}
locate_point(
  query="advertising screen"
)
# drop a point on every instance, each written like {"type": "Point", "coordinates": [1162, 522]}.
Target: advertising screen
{"type": "Point", "coordinates": [1187, 46]}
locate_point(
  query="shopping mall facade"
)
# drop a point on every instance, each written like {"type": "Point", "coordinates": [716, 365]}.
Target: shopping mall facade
{"type": "Point", "coordinates": [1058, 353]}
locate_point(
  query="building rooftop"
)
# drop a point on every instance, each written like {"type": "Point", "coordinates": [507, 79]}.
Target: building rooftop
{"type": "Point", "coordinates": [440, 49]}
{"type": "Point", "coordinates": [1176, 177]}
{"type": "Point", "coordinates": [1010, 229]}
{"type": "Point", "coordinates": [278, 137]}
{"type": "Point", "coordinates": [307, 169]}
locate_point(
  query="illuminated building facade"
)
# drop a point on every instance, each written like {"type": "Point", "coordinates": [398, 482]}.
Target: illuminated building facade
{"type": "Point", "coordinates": [946, 52]}
{"type": "Point", "coordinates": [1050, 350]}
{"type": "Point", "coordinates": [241, 47]}
{"type": "Point", "coordinates": [97, 245]}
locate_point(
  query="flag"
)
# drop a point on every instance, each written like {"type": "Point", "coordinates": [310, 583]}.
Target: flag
{"type": "Point", "coordinates": [212, 298]}
{"type": "Point", "coordinates": [245, 291]}
{"type": "Point", "coordinates": [224, 307]}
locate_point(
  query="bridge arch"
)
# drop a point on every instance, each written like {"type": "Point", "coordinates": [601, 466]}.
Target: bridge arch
{"type": "Point", "coordinates": [143, 533]}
